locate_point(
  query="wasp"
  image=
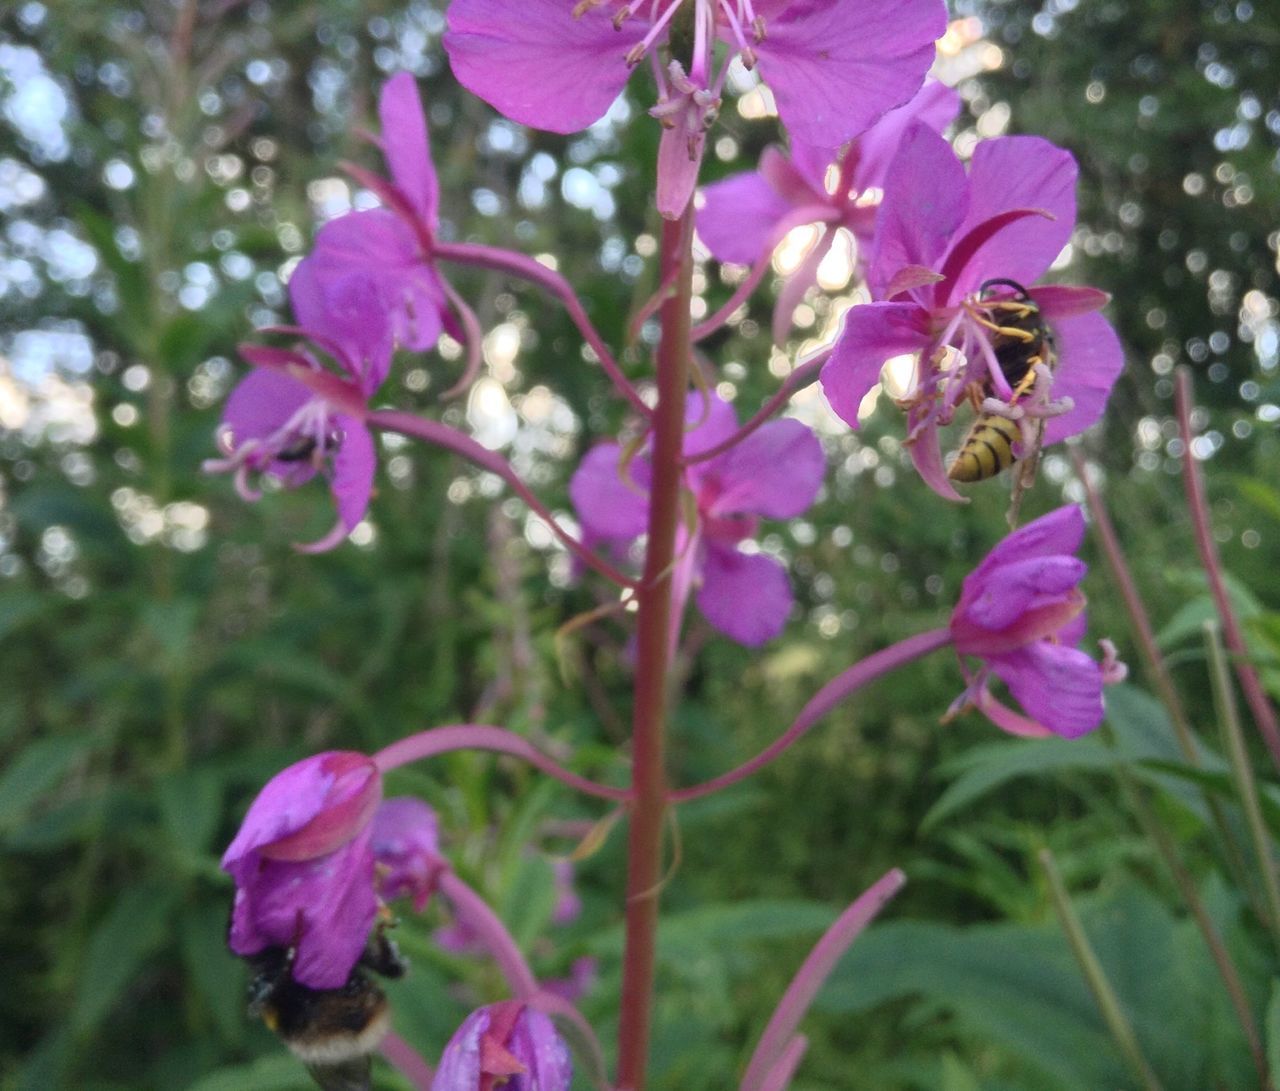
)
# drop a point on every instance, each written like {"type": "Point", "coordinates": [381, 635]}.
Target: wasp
{"type": "Point", "coordinates": [332, 1031]}
{"type": "Point", "coordinates": [1023, 346]}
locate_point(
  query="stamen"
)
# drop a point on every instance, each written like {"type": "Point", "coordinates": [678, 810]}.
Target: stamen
{"type": "Point", "coordinates": [659, 25]}
{"type": "Point", "coordinates": [622, 15]}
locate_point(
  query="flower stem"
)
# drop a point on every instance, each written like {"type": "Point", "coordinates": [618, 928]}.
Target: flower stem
{"type": "Point", "coordinates": [1263, 714]}
{"type": "Point", "coordinates": [408, 1060]}
{"type": "Point", "coordinates": [527, 268]}
{"type": "Point", "coordinates": [475, 911]}
{"type": "Point", "coordinates": [1108, 1002]}
{"type": "Point", "coordinates": [1242, 773]}
{"type": "Point", "coordinates": [843, 685]}
{"type": "Point", "coordinates": [441, 435]}
{"type": "Point", "coordinates": [779, 1034]}
{"type": "Point", "coordinates": [443, 740]}
{"type": "Point", "coordinates": [649, 782]}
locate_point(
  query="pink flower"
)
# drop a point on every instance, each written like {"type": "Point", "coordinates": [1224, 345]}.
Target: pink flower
{"type": "Point", "coordinates": [293, 418]}
{"type": "Point", "coordinates": [303, 867]}
{"type": "Point", "coordinates": [833, 68]}
{"type": "Point", "coordinates": [774, 473]}
{"type": "Point", "coordinates": [370, 284]}
{"type": "Point", "coordinates": [746, 215]}
{"type": "Point", "coordinates": [406, 847]}
{"type": "Point", "coordinates": [941, 238]}
{"type": "Point", "coordinates": [508, 1045]}
{"type": "Point", "coordinates": [1022, 613]}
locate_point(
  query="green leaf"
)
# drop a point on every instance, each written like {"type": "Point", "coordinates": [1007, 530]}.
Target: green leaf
{"type": "Point", "coordinates": [17, 608]}
{"type": "Point", "coordinates": [35, 771]}
{"type": "Point", "coordinates": [216, 974]}
{"type": "Point", "coordinates": [1273, 1034]}
{"type": "Point", "coordinates": [529, 900]}
{"type": "Point", "coordinates": [274, 1072]}
{"type": "Point", "coordinates": [191, 807]}
{"type": "Point", "coordinates": [135, 927]}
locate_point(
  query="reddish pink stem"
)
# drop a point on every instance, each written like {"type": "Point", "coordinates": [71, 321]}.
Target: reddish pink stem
{"type": "Point", "coordinates": [842, 686]}
{"type": "Point", "coordinates": [1232, 634]}
{"type": "Point", "coordinates": [526, 268]}
{"type": "Point", "coordinates": [408, 1060]}
{"type": "Point", "coordinates": [475, 911]}
{"type": "Point", "coordinates": [441, 435]}
{"type": "Point", "coordinates": [653, 647]}
{"type": "Point", "coordinates": [777, 1036]}
{"type": "Point", "coordinates": [443, 740]}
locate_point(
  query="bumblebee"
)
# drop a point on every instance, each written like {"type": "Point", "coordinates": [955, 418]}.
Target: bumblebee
{"type": "Point", "coordinates": [334, 1032]}
{"type": "Point", "coordinates": [1021, 339]}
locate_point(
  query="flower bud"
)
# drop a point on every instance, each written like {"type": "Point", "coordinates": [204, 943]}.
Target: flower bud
{"type": "Point", "coordinates": [508, 1045]}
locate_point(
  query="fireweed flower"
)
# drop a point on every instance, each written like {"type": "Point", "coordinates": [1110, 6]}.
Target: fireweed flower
{"type": "Point", "coordinates": [370, 283]}
{"type": "Point", "coordinates": [1021, 613]}
{"type": "Point", "coordinates": [508, 1045]}
{"type": "Point", "coordinates": [942, 235]}
{"type": "Point", "coordinates": [304, 869]}
{"type": "Point", "coordinates": [774, 473]}
{"type": "Point", "coordinates": [833, 65]}
{"type": "Point", "coordinates": [406, 849]}
{"type": "Point", "coordinates": [745, 216]}
{"type": "Point", "coordinates": [292, 419]}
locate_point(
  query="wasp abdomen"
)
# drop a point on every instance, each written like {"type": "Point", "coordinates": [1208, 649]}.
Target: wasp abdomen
{"type": "Point", "coordinates": [987, 449]}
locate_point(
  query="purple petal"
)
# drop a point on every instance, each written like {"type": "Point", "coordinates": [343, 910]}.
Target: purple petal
{"type": "Point", "coordinates": [1058, 686]}
{"type": "Point", "coordinates": [808, 164]}
{"type": "Point", "coordinates": [261, 404]}
{"type": "Point", "coordinates": [935, 105]}
{"type": "Point", "coordinates": [324, 908]}
{"type": "Point", "coordinates": [834, 68]}
{"type": "Point", "coordinates": [406, 846]}
{"type": "Point", "coordinates": [926, 457]}
{"type": "Point", "coordinates": [709, 420]}
{"type": "Point", "coordinates": [610, 508]}
{"type": "Point", "coordinates": [537, 64]}
{"type": "Point", "coordinates": [872, 333]}
{"type": "Point", "coordinates": [459, 1068]}
{"type": "Point", "coordinates": [1022, 585]}
{"type": "Point", "coordinates": [1060, 533]}
{"type": "Point", "coordinates": [1059, 301]}
{"type": "Point", "coordinates": [775, 472]}
{"type": "Point", "coordinates": [738, 216]}
{"type": "Point", "coordinates": [746, 596]}
{"type": "Point", "coordinates": [1090, 359]}
{"type": "Point", "coordinates": [1009, 173]}
{"type": "Point", "coordinates": [926, 195]}
{"type": "Point", "coordinates": [407, 147]}
{"type": "Point", "coordinates": [309, 808]}
{"type": "Point", "coordinates": [537, 1043]}
{"type": "Point", "coordinates": [679, 157]}
{"type": "Point", "coordinates": [353, 468]}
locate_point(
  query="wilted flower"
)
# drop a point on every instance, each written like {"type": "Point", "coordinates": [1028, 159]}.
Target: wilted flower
{"type": "Point", "coordinates": [941, 238]}
{"type": "Point", "coordinates": [745, 216]}
{"type": "Point", "coordinates": [508, 1045]}
{"type": "Point", "coordinates": [303, 867]}
{"type": "Point", "coordinates": [833, 68]}
{"type": "Point", "coordinates": [1022, 613]}
{"type": "Point", "coordinates": [774, 473]}
{"type": "Point", "coordinates": [406, 847]}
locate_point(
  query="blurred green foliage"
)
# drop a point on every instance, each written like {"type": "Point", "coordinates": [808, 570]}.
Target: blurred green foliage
{"type": "Point", "coordinates": [166, 651]}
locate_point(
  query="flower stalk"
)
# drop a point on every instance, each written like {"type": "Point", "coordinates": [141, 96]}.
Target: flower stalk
{"type": "Point", "coordinates": [649, 782]}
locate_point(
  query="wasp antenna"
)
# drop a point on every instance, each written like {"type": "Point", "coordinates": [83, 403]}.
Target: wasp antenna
{"type": "Point", "coordinates": [1004, 282]}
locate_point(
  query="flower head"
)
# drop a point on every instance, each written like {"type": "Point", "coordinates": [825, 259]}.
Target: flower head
{"type": "Point", "coordinates": [949, 250]}
{"type": "Point", "coordinates": [406, 846]}
{"type": "Point", "coordinates": [508, 1045]}
{"type": "Point", "coordinates": [774, 473]}
{"type": "Point", "coordinates": [303, 867]}
{"type": "Point", "coordinates": [1022, 613]}
{"type": "Point", "coordinates": [293, 418]}
{"type": "Point", "coordinates": [833, 68]}
{"type": "Point", "coordinates": [744, 217]}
